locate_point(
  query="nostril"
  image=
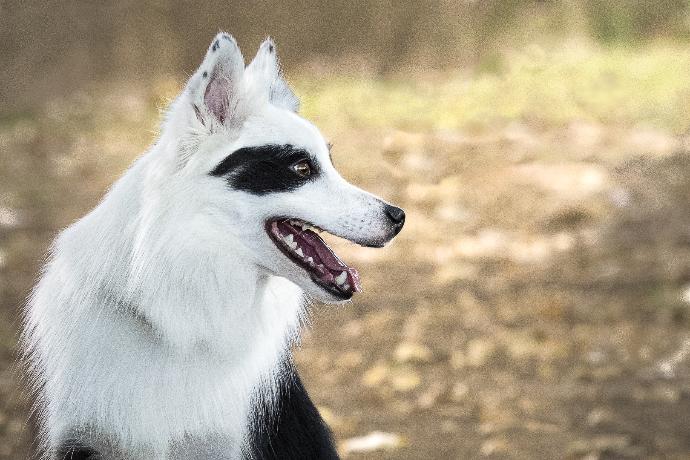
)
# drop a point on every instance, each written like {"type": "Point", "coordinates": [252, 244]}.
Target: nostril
{"type": "Point", "coordinates": [396, 214]}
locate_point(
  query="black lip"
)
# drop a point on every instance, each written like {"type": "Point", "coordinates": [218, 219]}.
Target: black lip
{"type": "Point", "coordinates": [335, 292]}
{"type": "Point", "coordinates": [326, 287]}
{"type": "Point", "coordinates": [373, 245]}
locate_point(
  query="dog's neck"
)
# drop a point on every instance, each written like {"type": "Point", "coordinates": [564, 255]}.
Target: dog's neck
{"type": "Point", "coordinates": [193, 291]}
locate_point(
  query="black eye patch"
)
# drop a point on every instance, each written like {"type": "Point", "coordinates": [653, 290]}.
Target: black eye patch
{"type": "Point", "coordinates": [264, 169]}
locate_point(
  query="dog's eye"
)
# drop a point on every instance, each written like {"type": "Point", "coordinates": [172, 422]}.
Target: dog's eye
{"type": "Point", "coordinates": [303, 168]}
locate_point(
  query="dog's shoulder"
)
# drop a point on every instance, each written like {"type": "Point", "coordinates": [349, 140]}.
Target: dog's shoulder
{"type": "Point", "coordinates": [291, 427]}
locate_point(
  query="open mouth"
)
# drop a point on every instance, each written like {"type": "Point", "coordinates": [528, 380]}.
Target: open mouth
{"type": "Point", "coordinates": [300, 243]}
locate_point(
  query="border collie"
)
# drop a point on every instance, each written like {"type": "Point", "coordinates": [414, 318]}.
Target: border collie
{"type": "Point", "coordinates": [162, 324]}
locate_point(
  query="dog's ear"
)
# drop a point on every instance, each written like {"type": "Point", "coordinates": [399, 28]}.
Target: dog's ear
{"type": "Point", "coordinates": [216, 87]}
{"type": "Point", "coordinates": [265, 72]}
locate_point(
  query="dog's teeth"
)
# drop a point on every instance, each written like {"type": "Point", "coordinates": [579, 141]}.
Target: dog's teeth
{"type": "Point", "coordinates": [288, 239]}
{"type": "Point", "coordinates": [341, 278]}
{"type": "Point", "coordinates": [311, 261]}
{"type": "Point", "coordinates": [299, 252]}
{"type": "Point", "coordinates": [346, 287]}
{"type": "Point", "coordinates": [293, 245]}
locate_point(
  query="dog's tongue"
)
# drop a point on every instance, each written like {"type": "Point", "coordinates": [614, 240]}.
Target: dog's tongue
{"type": "Point", "coordinates": [313, 245]}
{"type": "Point", "coordinates": [329, 259]}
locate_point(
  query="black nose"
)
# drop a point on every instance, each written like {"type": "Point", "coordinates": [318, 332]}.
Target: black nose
{"type": "Point", "coordinates": [397, 215]}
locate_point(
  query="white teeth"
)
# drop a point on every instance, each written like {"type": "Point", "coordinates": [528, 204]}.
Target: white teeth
{"type": "Point", "coordinates": [299, 252]}
{"type": "Point", "coordinates": [310, 260]}
{"type": "Point", "coordinates": [290, 241]}
{"type": "Point", "coordinates": [340, 279]}
{"type": "Point", "coordinates": [346, 287]}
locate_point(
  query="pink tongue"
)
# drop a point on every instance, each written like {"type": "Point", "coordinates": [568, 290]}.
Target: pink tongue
{"type": "Point", "coordinates": [329, 259]}
{"type": "Point", "coordinates": [353, 279]}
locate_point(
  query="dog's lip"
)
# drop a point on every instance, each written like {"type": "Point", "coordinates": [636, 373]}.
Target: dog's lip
{"type": "Point", "coordinates": [306, 249]}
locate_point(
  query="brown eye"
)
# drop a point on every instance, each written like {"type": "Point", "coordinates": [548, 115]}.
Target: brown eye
{"type": "Point", "coordinates": [303, 168]}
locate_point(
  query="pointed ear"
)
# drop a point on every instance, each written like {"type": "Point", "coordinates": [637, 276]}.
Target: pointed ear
{"type": "Point", "coordinates": [266, 74]}
{"type": "Point", "coordinates": [216, 86]}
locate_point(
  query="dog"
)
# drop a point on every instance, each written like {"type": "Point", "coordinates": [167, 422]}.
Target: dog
{"type": "Point", "coordinates": [162, 324]}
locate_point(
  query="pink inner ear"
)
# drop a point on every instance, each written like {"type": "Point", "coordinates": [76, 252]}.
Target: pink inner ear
{"type": "Point", "coordinates": [217, 97]}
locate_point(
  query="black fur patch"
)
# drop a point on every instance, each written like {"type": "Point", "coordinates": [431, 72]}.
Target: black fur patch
{"type": "Point", "coordinates": [72, 449]}
{"type": "Point", "coordinates": [294, 430]}
{"type": "Point", "coordinates": [264, 169]}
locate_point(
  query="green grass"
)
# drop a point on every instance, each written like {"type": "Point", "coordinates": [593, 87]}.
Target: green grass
{"type": "Point", "coordinates": [620, 86]}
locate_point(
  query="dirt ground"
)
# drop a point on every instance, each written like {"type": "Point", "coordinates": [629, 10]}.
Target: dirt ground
{"type": "Point", "coordinates": [533, 308]}
{"type": "Point", "coordinates": [536, 305]}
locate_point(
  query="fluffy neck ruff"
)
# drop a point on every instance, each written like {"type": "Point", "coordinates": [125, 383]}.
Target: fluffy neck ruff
{"type": "Point", "coordinates": [142, 332]}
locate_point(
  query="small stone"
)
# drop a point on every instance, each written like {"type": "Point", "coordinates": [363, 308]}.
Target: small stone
{"type": "Point", "coordinates": [374, 441]}
{"type": "Point", "coordinates": [412, 353]}
{"type": "Point", "coordinates": [375, 375]}
{"type": "Point", "coordinates": [459, 392]}
{"type": "Point", "coordinates": [329, 417]}
{"type": "Point", "coordinates": [479, 351]}
{"type": "Point", "coordinates": [596, 357]}
{"type": "Point", "coordinates": [427, 399]}
{"type": "Point", "coordinates": [493, 446]}
{"type": "Point", "coordinates": [405, 380]}
{"type": "Point", "coordinates": [599, 416]}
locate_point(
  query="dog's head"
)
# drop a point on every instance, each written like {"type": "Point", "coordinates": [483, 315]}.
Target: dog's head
{"type": "Point", "coordinates": [263, 175]}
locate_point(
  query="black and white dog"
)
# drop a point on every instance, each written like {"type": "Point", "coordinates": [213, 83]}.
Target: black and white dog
{"type": "Point", "coordinates": [161, 327]}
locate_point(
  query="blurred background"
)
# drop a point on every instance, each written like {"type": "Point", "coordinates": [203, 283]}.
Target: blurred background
{"type": "Point", "coordinates": [536, 304]}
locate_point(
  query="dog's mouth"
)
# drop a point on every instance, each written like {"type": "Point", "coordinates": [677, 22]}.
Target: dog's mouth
{"type": "Point", "coordinates": [300, 243]}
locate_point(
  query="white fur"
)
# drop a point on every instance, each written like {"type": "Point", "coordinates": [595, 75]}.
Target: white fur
{"type": "Point", "coordinates": [163, 311]}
